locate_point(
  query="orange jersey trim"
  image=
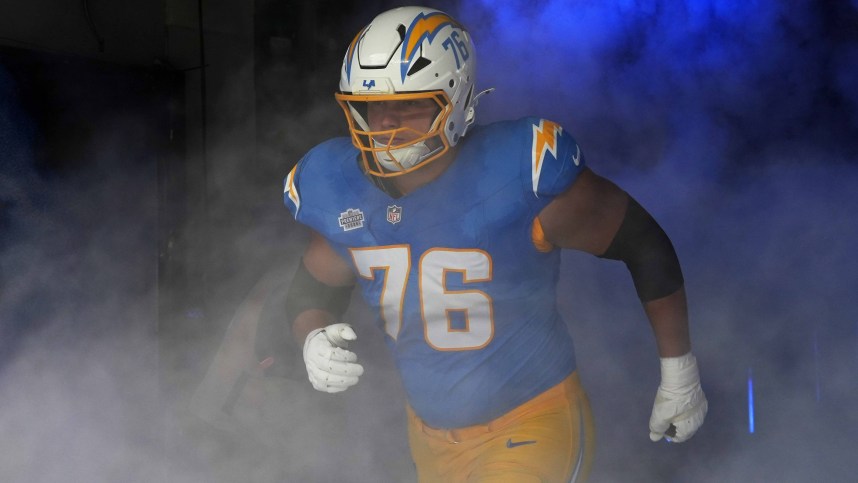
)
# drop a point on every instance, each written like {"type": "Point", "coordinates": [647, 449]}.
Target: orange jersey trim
{"type": "Point", "coordinates": [538, 237]}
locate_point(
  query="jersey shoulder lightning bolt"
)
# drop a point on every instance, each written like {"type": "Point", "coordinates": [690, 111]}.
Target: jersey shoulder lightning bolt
{"type": "Point", "coordinates": [555, 153]}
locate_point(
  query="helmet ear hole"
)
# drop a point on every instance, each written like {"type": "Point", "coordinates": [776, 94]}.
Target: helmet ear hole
{"type": "Point", "coordinates": [452, 83]}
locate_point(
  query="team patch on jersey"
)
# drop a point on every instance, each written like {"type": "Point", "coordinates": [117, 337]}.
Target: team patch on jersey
{"type": "Point", "coordinates": [351, 219]}
{"type": "Point", "coordinates": [394, 214]}
{"type": "Point", "coordinates": [545, 137]}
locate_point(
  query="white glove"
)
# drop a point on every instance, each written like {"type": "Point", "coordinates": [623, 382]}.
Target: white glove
{"type": "Point", "coordinates": [680, 405]}
{"type": "Point", "coordinates": [330, 366]}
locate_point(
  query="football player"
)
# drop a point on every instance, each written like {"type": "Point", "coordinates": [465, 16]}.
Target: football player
{"type": "Point", "coordinates": [453, 232]}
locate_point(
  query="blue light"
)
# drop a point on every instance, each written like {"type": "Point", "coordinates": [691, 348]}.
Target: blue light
{"type": "Point", "coordinates": [816, 365]}
{"type": "Point", "coordinates": [750, 402]}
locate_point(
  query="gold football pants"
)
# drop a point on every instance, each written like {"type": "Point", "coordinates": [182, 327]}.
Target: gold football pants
{"type": "Point", "coordinates": [547, 439]}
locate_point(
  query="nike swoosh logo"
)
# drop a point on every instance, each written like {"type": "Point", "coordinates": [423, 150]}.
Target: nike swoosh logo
{"type": "Point", "coordinates": [511, 444]}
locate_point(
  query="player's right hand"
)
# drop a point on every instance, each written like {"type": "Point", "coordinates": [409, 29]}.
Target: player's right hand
{"type": "Point", "coordinates": [331, 367]}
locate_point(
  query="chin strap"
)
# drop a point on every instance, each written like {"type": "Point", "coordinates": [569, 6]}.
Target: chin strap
{"type": "Point", "coordinates": [482, 93]}
{"type": "Point", "coordinates": [406, 157]}
{"type": "Point", "coordinates": [472, 111]}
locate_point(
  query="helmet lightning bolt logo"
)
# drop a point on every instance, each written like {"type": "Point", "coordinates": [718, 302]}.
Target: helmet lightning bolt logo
{"type": "Point", "coordinates": [424, 26]}
{"type": "Point", "coordinates": [545, 137]}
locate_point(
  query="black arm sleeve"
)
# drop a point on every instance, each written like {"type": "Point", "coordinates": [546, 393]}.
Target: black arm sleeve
{"type": "Point", "coordinates": [306, 292]}
{"type": "Point", "coordinates": [647, 252]}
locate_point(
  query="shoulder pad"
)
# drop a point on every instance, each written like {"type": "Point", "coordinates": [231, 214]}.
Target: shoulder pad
{"type": "Point", "coordinates": [317, 163]}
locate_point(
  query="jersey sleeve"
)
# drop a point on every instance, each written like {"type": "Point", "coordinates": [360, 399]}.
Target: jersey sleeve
{"type": "Point", "coordinates": [555, 158]}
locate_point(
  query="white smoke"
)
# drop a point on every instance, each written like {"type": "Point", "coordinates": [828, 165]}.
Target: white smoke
{"type": "Point", "coordinates": [725, 144]}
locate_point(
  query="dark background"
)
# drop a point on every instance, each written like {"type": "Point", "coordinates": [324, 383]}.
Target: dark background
{"type": "Point", "coordinates": [140, 204]}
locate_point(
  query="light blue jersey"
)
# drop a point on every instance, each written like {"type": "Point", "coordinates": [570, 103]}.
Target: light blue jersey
{"type": "Point", "coordinates": [464, 295]}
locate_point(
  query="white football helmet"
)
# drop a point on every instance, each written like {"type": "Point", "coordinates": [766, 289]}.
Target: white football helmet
{"type": "Point", "coordinates": [408, 54]}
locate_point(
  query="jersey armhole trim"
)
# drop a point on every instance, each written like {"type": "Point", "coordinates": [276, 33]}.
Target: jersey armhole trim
{"type": "Point", "coordinates": [537, 235]}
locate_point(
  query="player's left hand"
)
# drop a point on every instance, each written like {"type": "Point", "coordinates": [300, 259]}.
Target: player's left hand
{"type": "Point", "coordinates": [680, 405]}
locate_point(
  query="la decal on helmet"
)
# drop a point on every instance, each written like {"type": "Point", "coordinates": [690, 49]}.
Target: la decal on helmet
{"type": "Point", "coordinates": [415, 56]}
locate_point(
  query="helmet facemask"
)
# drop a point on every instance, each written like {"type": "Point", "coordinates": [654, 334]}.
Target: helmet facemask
{"type": "Point", "coordinates": [414, 138]}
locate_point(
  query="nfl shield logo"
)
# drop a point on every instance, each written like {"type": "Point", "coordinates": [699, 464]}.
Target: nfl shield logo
{"type": "Point", "coordinates": [394, 214]}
